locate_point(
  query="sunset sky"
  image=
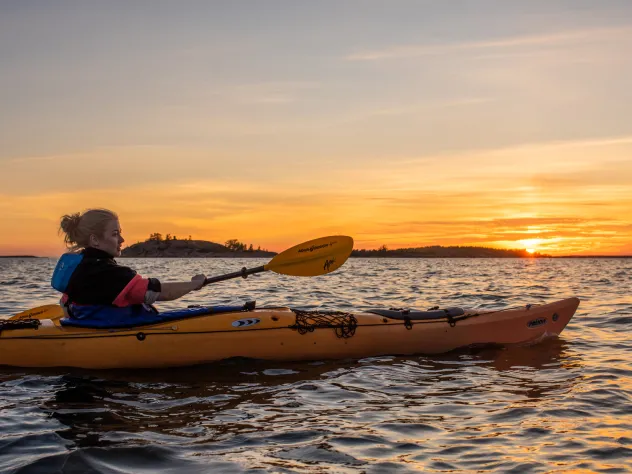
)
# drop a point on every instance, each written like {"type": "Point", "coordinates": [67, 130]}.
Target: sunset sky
{"type": "Point", "coordinates": [405, 123]}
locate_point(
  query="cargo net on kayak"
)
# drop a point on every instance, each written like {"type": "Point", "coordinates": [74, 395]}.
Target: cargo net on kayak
{"type": "Point", "coordinates": [343, 323]}
{"type": "Point", "coordinates": [19, 324]}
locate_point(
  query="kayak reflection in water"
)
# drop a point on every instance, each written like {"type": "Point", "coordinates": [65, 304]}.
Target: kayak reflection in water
{"type": "Point", "coordinates": [94, 286]}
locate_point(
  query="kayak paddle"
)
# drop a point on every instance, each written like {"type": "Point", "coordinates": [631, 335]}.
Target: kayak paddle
{"type": "Point", "coordinates": [311, 258]}
{"type": "Point", "coordinates": [49, 311]}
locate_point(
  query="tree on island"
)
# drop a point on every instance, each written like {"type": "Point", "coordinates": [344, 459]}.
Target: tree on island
{"type": "Point", "coordinates": [235, 245]}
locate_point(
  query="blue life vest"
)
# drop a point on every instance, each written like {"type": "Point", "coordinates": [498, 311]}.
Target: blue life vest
{"type": "Point", "coordinates": [64, 269]}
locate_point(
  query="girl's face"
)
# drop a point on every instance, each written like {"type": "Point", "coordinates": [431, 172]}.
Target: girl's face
{"type": "Point", "coordinates": [111, 239]}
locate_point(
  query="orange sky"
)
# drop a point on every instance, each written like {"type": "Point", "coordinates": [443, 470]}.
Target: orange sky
{"type": "Point", "coordinates": [572, 204]}
{"type": "Point", "coordinates": [511, 133]}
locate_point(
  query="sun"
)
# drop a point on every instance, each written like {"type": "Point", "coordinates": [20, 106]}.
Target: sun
{"type": "Point", "coordinates": [531, 245]}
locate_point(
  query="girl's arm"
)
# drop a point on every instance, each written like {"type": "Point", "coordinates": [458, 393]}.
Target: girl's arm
{"type": "Point", "coordinates": [173, 291]}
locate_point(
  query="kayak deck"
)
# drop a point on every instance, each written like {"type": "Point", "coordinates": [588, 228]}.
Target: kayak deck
{"type": "Point", "coordinates": [278, 334]}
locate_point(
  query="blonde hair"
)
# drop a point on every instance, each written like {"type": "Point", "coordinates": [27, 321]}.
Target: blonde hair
{"type": "Point", "coordinates": [77, 228]}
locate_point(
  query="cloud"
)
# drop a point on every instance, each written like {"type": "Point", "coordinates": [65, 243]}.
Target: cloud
{"type": "Point", "coordinates": [411, 109]}
{"type": "Point", "coordinates": [550, 39]}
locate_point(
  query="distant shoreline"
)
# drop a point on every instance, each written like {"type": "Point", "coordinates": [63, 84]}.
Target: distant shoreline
{"type": "Point", "coordinates": [250, 255]}
{"type": "Point", "coordinates": [593, 256]}
{"type": "Point", "coordinates": [438, 251]}
{"type": "Point", "coordinates": [482, 256]}
{"type": "Point", "coordinates": [20, 256]}
{"type": "Point", "coordinates": [172, 248]}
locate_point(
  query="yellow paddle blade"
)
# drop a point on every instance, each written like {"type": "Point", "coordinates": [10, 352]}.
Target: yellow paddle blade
{"type": "Point", "coordinates": [312, 258]}
{"type": "Point", "coordinates": [49, 311]}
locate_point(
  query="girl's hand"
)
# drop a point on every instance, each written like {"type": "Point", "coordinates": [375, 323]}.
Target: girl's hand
{"type": "Point", "coordinates": [200, 279]}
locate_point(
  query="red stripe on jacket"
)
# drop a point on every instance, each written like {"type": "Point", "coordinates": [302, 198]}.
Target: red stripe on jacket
{"type": "Point", "coordinates": [133, 293]}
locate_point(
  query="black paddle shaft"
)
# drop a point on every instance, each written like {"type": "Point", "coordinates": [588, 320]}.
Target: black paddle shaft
{"type": "Point", "coordinates": [243, 273]}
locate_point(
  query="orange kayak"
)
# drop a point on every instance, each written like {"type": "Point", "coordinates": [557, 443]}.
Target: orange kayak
{"type": "Point", "coordinates": [278, 334]}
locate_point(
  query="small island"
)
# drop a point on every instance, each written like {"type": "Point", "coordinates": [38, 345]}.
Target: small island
{"type": "Point", "coordinates": [171, 247]}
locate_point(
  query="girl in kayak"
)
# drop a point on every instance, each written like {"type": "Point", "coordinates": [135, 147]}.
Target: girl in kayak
{"type": "Point", "coordinates": [90, 278]}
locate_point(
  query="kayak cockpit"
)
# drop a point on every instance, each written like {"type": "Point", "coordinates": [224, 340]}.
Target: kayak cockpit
{"type": "Point", "coordinates": [153, 318]}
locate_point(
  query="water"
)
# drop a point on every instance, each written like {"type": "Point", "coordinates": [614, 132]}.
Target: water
{"type": "Point", "coordinates": [564, 404]}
